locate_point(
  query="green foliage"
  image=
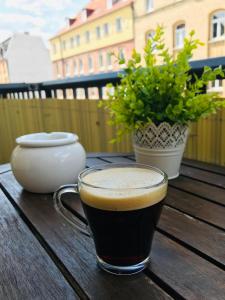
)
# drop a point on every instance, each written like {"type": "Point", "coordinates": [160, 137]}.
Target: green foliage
{"type": "Point", "coordinates": [161, 93]}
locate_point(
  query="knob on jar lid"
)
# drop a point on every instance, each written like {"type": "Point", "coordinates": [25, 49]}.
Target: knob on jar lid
{"type": "Point", "coordinates": [44, 139]}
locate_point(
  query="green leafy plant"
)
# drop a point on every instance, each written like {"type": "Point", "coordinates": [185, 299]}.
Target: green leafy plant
{"type": "Point", "coordinates": [163, 90]}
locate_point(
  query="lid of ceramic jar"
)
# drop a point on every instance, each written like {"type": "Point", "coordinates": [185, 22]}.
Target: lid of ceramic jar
{"type": "Point", "coordinates": [43, 139]}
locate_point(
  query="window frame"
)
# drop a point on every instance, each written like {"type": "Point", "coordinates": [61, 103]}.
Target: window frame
{"type": "Point", "coordinates": [64, 45]}
{"type": "Point", "coordinates": [119, 27]}
{"type": "Point", "coordinates": [149, 5]}
{"type": "Point", "coordinates": [109, 60]}
{"type": "Point", "coordinates": [152, 33]}
{"type": "Point", "coordinates": [106, 32]}
{"type": "Point", "coordinates": [90, 64]}
{"type": "Point", "coordinates": [98, 32]}
{"type": "Point", "coordinates": [71, 42]}
{"type": "Point", "coordinates": [87, 36]}
{"type": "Point", "coordinates": [67, 69]}
{"type": "Point", "coordinates": [179, 35]}
{"type": "Point", "coordinates": [77, 40]}
{"type": "Point", "coordinates": [218, 23]}
{"type": "Point", "coordinates": [122, 55]}
{"type": "Point", "coordinates": [110, 3]}
{"type": "Point", "coordinates": [81, 66]}
{"type": "Point", "coordinates": [101, 61]}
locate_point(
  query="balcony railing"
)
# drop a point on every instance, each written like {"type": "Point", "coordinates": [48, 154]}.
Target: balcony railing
{"type": "Point", "coordinates": [49, 89]}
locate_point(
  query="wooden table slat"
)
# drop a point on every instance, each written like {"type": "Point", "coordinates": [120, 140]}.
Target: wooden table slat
{"type": "Point", "coordinates": [192, 276]}
{"type": "Point", "coordinates": [91, 162]}
{"type": "Point", "coordinates": [108, 154]}
{"type": "Point", "coordinates": [194, 233]}
{"type": "Point", "coordinates": [118, 159]}
{"type": "Point", "coordinates": [196, 207]}
{"type": "Point", "coordinates": [204, 176]}
{"type": "Point", "coordinates": [26, 271]}
{"type": "Point", "coordinates": [204, 166]}
{"type": "Point", "coordinates": [4, 168]}
{"type": "Point", "coordinates": [200, 189]}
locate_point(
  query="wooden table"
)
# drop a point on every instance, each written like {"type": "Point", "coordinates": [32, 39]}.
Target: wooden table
{"type": "Point", "coordinates": [43, 257]}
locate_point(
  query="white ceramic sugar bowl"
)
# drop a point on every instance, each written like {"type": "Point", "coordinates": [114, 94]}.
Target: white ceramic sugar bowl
{"type": "Point", "coordinates": [44, 161]}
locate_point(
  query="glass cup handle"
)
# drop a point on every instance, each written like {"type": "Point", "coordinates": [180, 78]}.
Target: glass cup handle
{"type": "Point", "coordinates": [64, 212]}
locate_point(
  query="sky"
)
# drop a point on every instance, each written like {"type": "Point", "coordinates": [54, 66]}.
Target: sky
{"type": "Point", "coordinates": [38, 17]}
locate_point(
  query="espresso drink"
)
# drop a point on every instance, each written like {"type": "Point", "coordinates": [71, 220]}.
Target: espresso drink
{"type": "Point", "coordinates": [122, 212]}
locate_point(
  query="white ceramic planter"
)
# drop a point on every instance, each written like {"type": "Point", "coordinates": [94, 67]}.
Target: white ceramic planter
{"type": "Point", "coordinates": [161, 146]}
{"type": "Point", "coordinates": [44, 161]}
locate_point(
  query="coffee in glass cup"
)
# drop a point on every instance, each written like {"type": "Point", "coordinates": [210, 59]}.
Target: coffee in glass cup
{"type": "Point", "coordinates": [122, 203]}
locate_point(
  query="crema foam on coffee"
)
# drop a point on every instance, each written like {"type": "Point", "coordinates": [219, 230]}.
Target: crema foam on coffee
{"type": "Point", "coordinates": [123, 189]}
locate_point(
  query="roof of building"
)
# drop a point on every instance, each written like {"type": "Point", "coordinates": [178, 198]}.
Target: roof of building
{"type": "Point", "coordinates": [95, 9]}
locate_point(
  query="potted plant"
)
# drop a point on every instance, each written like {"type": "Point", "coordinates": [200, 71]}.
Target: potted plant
{"type": "Point", "coordinates": [157, 101]}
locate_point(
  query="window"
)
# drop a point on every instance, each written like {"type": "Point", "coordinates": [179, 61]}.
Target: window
{"type": "Point", "coordinates": [78, 40]}
{"type": "Point", "coordinates": [121, 54]}
{"type": "Point", "coordinates": [106, 29]}
{"type": "Point", "coordinates": [179, 36]}
{"type": "Point", "coordinates": [149, 5]}
{"type": "Point", "coordinates": [218, 24]}
{"type": "Point", "coordinates": [90, 63]}
{"type": "Point", "coordinates": [64, 45]}
{"type": "Point", "coordinates": [67, 69]}
{"type": "Point", "coordinates": [118, 24]}
{"type": "Point", "coordinates": [75, 69]}
{"type": "Point", "coordinates": [81, 67]}
{"type": "Point", "coordinates": [100, 61]}
{"type": "Point", "coordinates": [87, 36]}
{"type": "Point", "coordinates": [122, 57]}
{"type": "Point", "coordinates": [217, 84]}
{"type": "Point", "coordinates": [98, 32]}
{"type": "Point", "coordinates": [149, 36]}
{"type": "Point", "coordinates": [110, 3]}
{"type": "Point", "coordinates": [71, 42]}
{"type": "Point", "coordinates": [109, 59]}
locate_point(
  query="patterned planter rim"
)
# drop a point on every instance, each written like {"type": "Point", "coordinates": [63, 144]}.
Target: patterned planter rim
{"type": "Point", "coordinates": [163, 136]}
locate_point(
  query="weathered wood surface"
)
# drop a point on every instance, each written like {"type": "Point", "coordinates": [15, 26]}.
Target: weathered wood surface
{"type": "Point", "coordinates": [26, 272]}
{"type": "Point", "coordinates": [196, 207]}
{"type": "Point", "coordinates": [187, 257]}
{"type": "Point", "coordinates": [198, 188]}
{"type": "Point", "coordinates": [204, 166]}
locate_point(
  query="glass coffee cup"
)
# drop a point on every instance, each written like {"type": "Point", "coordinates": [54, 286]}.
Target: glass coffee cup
{"type": "Point", "coordinates": [122, 204]}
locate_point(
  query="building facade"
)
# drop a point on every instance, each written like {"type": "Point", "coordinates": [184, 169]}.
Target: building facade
{"type": "Point", "coordinates": [118, 26]}
{"type": "Point", "coordinates": [179, 17]}
{"type": "Point", "coordinates": [24, 58]}
{"type": "Point", "coordinates": [85, 46]}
